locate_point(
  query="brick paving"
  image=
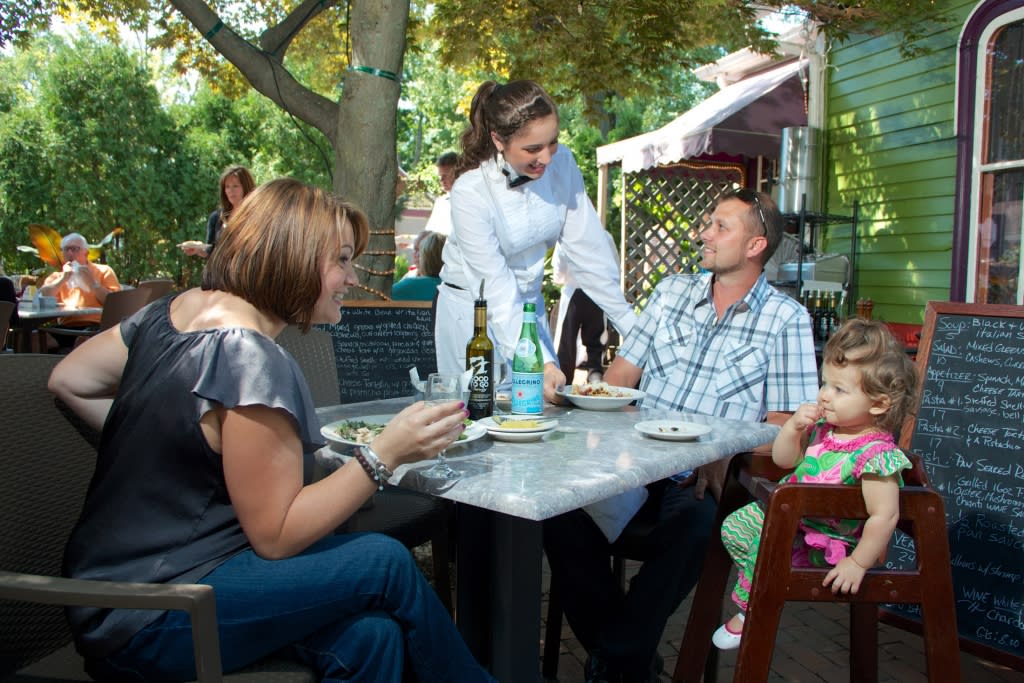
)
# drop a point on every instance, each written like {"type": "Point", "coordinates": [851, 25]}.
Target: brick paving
{"type": "Point", "coordinates": [812, 647]}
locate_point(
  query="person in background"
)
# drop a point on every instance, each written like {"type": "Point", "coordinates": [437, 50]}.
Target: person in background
{"type": "Point", "coordinates": [235, 183]}
{"type": "Point", "coordinates": [8, 292]}
{"type": "Point", "coordinates": [517, 194]}
{"type": "Point", "coordinates": [846, 438]}
{"type": "Point", "coordinates": [199, 475]}
{"type": "Point", "coordinates": [80, 283]}
{"type": "Point", "coordinates": [580, 323]}
{"type": "Point", "coordinates": [423, 287]}
{"type": "Point", "coordinates": [723, 343]}
{"type": "Point", "coordinates": [440, 220]}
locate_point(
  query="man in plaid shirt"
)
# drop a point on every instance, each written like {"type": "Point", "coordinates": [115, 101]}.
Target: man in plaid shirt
{"type": "Point", "coordinates": [721, 343]}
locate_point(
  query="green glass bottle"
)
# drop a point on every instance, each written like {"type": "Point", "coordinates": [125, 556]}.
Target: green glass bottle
{"type": "Point", "coordinates": [480, 358]}
{"type": "Point", "coordinates": [528, 367]}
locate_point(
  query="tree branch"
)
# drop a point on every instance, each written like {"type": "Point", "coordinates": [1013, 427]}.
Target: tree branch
{"type": "Point", "coordinates": [276, 39]}
{"type": "Point", "coordinates": [274, 82]}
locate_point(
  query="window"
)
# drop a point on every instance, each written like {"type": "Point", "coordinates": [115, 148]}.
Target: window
{"type": "Point", "coordinates": [994, 129]}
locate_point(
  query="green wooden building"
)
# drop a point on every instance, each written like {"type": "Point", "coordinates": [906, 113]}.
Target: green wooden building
{"type": "Point", "coordinates": [932, 148]}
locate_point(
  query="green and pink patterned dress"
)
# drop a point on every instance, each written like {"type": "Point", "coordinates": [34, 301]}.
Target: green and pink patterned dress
{"type": "Point", "coordinates": [820, 542]}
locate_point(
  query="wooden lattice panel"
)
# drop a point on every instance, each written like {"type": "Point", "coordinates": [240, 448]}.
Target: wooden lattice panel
{"type": "Point", "coordinates": [664, 211]}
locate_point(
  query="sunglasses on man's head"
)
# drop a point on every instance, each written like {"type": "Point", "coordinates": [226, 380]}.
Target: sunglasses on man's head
{"type": "Point", "coordinates": [751, 197]}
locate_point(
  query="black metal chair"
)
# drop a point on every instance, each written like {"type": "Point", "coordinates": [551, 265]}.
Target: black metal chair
{"type": "Point", "coordinates": [118, 306]}
{"type": "Point", "coordinates": [6, 311]}
{"type": "Point", "coordinates": [157, 288]}
{"type": "Point", "coordinates": [46, 468]}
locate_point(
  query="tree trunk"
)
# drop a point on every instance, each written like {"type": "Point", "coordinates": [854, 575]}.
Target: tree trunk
{"type": "Point", "coordinates": [366, 160]}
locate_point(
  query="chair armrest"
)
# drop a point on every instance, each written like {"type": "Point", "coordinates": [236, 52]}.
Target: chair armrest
{"type": "Point", "coordinates": [831, 500]}
{"type": "Point", "coordinates": [196, 599]}
{"type": "Point", "coordinates": [70, 331]}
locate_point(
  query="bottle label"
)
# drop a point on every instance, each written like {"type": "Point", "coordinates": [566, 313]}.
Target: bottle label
{"type": "Point", "coordinates": [526, 349]}
{"type": "Point", "coordinates": [527, 393]}
{"type": "Point", "coordinates": [481, 394]}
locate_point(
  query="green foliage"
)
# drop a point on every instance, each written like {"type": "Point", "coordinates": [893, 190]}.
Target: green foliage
{"type": "Point", "coordinates": [86, 147]}
{"type": "Point", "coordinates": [401, 266]}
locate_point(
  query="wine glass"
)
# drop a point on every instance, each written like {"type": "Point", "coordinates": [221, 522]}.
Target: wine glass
{"type": "Point", "coordinates": [441, 387]}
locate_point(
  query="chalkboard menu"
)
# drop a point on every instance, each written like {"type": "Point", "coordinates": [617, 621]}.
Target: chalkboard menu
{"type": "Point", "coordinates": [969, 430]}
{"type": "Point", "coordinates": [377, 342]}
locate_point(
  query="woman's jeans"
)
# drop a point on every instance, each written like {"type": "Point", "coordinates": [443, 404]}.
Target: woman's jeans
{"type": "Point", "coordinates": [352, 607]}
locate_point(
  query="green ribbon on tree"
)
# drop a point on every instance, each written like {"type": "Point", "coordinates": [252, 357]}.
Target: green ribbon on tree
{"type": "Point", "coordinates": [390, 75]}
{"type": "Point", "coordinates": [215, 30]}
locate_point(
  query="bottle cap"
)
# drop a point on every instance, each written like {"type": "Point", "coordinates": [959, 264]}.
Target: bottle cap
{"type": "Point", "coordinates": [480, 300]}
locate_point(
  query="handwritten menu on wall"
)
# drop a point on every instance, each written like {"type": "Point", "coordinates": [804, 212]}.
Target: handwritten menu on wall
{"type": "Point", "coordinates": [970, 432]}
{"type": "Point", "coordinates": [376, 343]}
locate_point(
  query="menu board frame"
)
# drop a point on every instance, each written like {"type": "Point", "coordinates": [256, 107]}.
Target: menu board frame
{"type": "Point", "coordinates": [922, 434]}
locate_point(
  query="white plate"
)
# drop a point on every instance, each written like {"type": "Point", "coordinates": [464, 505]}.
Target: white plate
{"type": "Point", "coordinates": [602, 402]}
{"type": "Point", "coordinates": [330, 431]}
{"type": "Point", "coordinates": [672, 430]}
{"type": "Point", "coordinates": [519, 437]}
{"type": "Point", "coordinates": [545, 425]}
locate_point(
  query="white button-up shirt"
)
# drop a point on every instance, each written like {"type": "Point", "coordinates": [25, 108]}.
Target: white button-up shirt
{"type": "Point", "coordinates": [502, 235]}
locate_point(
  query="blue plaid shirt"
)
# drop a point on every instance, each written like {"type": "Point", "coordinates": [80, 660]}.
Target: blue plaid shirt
{"type": "Point", "coordinates": [758, 358]}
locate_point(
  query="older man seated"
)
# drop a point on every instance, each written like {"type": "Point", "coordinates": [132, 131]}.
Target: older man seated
{"type": "Point", "coordinates": [79, 284]}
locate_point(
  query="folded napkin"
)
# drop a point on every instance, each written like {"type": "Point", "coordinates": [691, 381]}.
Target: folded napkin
{"type": "Point", "coordinates": [417, 383]}
{"type": "Point", "coordinates": [612, 514]}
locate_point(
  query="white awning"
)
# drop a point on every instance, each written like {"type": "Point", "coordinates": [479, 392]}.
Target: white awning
{"type": "Point", "coordinates": [722, 123]}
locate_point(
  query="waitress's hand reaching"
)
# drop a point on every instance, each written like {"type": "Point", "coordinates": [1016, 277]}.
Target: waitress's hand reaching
{"type": "Point", "coordinates": [553, 378]}
{"type": "Point", "coordinates": [420, 432]}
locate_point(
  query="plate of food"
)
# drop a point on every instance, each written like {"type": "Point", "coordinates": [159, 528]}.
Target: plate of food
{"type": "Point", "coordinates": [672, 430]}
{"type": "Point", "coordinates": [599, 395]}
{"type": "Point", "coordinates": [517, 427]}
{"type": "Point", "coordinates": [362, 430]}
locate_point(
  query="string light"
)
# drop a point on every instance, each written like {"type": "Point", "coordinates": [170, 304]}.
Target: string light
{"type": "Point", "coordinates": [371, 271]}
{"type": "Point", "coordinates": [371, 290]}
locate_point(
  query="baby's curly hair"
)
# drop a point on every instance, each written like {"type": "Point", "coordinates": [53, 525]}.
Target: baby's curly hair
{"type": "Point", "coordinates": [885, 369]}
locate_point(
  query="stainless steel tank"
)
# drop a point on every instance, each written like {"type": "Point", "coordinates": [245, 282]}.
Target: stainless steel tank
{"type": "Point", "coordinates": [800, 169]}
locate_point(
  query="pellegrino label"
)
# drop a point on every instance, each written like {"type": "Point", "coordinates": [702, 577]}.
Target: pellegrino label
{"type": "Point", "coordinates": [526, 349]}
{"type": "Point", "coordinates": [528, 393]}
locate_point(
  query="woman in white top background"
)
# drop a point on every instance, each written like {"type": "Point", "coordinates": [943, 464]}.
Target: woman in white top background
{"type": "Point", "coordinates": [517, 194]}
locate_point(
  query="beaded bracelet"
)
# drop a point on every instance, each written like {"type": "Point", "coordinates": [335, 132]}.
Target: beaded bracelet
{"type": "Point", "coordinates": [377, 463]}
{"type": "Point", "coordinates": [369, 469]}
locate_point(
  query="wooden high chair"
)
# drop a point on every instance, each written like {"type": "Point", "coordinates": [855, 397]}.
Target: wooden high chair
{"type": "Point", "coordinates": [929, 584]}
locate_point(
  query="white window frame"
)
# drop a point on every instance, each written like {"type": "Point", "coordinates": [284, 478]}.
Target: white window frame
{"type": "Point", "coordinates": [977, 167]}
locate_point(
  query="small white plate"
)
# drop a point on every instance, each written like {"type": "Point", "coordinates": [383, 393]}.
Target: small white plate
{"type": "Point", "coordinates": [330, 431]}
{"type": "Point", "coordinates": [518, 434]}
{"type": "Point", "coordinates": [672, 430]}
{"type": "Point", "coordinates": [544, 424]}
{"type": "Point", "coordinates": [519, 437]}
{"type": "Point", "coordinates": [602, 402]}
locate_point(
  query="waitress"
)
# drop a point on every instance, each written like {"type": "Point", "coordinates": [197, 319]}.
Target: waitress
{"type": "Point", "coordinates": [517, 194]}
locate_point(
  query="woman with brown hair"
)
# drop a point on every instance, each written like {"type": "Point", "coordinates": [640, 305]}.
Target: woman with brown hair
{"type": "Point", "coordinates": [235, 183]}
{"type": "Point", "coordinates": [517, 194]}
{"type": "Point", "coordinates": [205, 421]}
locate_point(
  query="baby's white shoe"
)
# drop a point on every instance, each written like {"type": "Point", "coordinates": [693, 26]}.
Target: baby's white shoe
{"type": "Point", "coordinates": [724, 639]}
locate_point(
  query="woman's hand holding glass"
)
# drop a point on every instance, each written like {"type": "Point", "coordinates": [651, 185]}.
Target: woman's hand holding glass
{"type": "Point", "coordinates": [442, 389]}
{"type": "Point", "coordinates": [419, 432]}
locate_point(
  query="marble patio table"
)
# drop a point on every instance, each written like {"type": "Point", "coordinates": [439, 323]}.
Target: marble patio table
{"type": "Point", "coordinates": [506, 489]}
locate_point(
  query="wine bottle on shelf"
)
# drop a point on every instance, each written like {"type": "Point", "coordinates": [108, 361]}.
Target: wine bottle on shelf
{"type": "Point", "coordinates": [480, 358]}
{"type": "Point", "coordinates": [528, 367]}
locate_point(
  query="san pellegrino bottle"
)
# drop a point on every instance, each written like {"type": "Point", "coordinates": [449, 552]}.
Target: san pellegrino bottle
{"type": "Point", "coordinates": [480, 358]}
{"type": "Point", "coordinates": [528, 367]}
